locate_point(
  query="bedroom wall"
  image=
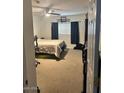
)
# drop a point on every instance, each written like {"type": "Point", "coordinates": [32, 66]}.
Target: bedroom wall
{"type": "Point", "coordinates": [65, 33]}
{"type": "Point", "coordinates": [39, 26]}
{"type": "Point", "coordinates": [42, 27]}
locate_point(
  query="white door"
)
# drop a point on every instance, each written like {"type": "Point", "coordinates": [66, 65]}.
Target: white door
{"type": "Point", "coordinates": [29, 79]}
{"type": "Point", "coordinates": [93, 46]}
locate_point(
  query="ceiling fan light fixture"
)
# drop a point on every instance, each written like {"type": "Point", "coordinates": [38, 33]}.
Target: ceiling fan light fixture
{"type": "Point", "coordinates": [37, 1]}
{"type": "Point", "coordinates": [47, 14]}
{"type": "Point", "coordinates": [50, 11]}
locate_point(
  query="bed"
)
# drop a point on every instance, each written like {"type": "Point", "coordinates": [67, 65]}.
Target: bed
{"type": "Point", "coordinates": [51, 46]}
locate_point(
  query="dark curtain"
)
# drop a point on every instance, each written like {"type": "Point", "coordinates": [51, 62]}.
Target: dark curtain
{"type": "Point", "coordinates": [86, 30]}
{"type": "Point", "coordinates": [74, 32]}
{"type": "Point", "coordinates": [54, 29]}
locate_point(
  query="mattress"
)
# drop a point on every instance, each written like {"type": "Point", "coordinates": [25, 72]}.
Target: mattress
{"type": "Point", "coordinates": [51, 46]}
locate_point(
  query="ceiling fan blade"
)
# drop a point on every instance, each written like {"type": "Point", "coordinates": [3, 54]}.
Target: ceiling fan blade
{"type": "Point", "coordinates": [39, 7]}
{"type": "Point", "coordinates": [46, 8]}
{"type": "Point", "coordinates": [55, 14]}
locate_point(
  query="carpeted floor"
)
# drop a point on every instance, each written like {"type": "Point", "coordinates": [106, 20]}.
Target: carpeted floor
{"type": "Point", "coordinates": [63, 76]}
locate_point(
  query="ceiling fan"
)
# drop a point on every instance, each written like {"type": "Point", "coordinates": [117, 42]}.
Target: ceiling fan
{"type": "Point", "coordinates": [48, 10]}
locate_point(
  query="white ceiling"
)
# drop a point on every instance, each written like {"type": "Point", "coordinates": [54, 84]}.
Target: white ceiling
{"type": "Point", "coordinates": [67, 7]}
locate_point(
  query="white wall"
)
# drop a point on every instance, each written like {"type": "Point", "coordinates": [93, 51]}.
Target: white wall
{"type": "Point", "coordinates": [42, 27]}
{"type": "Point", "coordinates": [65, 33]}
{"type": "Point", "coordinates": [39, 26]}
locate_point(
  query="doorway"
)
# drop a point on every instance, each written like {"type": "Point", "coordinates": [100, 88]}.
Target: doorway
{"type": "Point", "coordinates": [68, 70]}
{"type": "Point", "coordinates": [63, 75]}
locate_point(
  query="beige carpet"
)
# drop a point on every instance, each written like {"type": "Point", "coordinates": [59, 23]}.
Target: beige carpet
{"type": "Point", "coordinates": [64, 76]}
